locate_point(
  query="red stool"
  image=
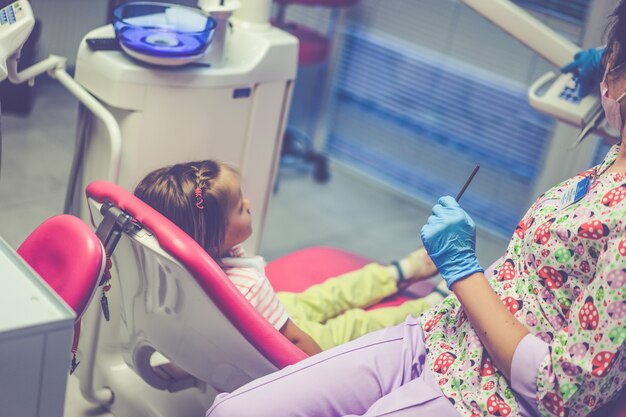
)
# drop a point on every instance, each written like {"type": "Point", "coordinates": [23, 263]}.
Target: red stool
{"type": "Point", "coordinates": [314, 49]}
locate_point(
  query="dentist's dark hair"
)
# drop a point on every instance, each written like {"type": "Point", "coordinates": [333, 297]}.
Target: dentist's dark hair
{"type": "Point", "coordinates": [203, 215]}
{"type": "Point", "coordinates": [616, 36]}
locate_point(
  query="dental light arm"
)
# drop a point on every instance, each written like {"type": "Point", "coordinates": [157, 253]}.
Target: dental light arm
{"type": "Point", "coordinates": [554, 94]}
{"type": "Point", "coordinates": [524, 27]}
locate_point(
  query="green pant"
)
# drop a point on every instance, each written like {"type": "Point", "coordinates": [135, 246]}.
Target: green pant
{"type": "Point", "coordinates": [332, 312]}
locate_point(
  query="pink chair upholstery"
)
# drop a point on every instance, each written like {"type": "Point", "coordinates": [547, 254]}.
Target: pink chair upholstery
{"type": "Point", "coordinates": [299, 270]}
{"type": "Point", "coordinates": [257, 331]}
{"type": "Point", "coordinates": [68, 255]}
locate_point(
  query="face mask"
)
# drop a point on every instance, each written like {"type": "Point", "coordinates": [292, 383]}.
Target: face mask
{"type": "Point", "coordinates": [612, 108]}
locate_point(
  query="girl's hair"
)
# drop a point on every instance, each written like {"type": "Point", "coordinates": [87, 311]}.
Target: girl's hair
{"type": "Point", "coordinates": [616, 36]}
{"type": "Point", "coordinates": [196, 196]}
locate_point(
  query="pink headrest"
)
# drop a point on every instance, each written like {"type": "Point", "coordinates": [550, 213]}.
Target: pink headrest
{"type": "Point", "coordinates": [262, 335]}
{"type": "Point", "coordinates": [68, 255]}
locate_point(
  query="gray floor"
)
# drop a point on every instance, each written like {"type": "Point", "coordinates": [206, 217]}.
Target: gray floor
{"type": "Point", "coordinates": [350, 211]}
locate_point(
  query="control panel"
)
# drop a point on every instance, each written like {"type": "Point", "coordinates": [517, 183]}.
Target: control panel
{"type": "Point", "coordinates": [556, 95]}
{"type": "Point", "coordinates": [16, 24]}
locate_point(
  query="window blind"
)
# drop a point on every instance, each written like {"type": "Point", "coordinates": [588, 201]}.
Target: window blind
{"type": "Point", "coordinates": [420, 124]}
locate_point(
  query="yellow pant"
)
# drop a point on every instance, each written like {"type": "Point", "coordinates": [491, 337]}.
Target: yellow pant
{"type": "Point", "coordinates": [332, 312]}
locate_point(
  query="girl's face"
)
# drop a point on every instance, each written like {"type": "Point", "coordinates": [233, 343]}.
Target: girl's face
{"type": "Point", "coordinates": [239, 223]}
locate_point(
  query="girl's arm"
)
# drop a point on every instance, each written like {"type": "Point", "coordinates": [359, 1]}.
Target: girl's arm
{"type": "Point", "coordinates": [499, 331]}
{"type": "Point", "coordinates": [299, 338]}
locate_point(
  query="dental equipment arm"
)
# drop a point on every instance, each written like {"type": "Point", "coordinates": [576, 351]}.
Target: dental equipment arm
{"type": "Point", "coordinates": [553, 94]}
{"type": "Point", "coordinates": [524, 27]}
{"type": "Point", "coordinates": [55, 67]}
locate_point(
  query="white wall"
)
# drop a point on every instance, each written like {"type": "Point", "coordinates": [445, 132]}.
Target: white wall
{"type": "Point", "coordinates": [64, 23]}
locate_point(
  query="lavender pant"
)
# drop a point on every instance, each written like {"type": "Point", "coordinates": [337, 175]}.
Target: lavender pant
{"type": "Point", "coordinates": [381, 374]}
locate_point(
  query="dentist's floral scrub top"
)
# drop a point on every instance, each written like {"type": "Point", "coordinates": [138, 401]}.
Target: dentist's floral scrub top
{"type": "Point", "coordinates": [564, 277]}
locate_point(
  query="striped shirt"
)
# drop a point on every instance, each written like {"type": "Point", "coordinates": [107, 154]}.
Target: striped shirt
{"type": "Point", "coordinates": [248, 275]}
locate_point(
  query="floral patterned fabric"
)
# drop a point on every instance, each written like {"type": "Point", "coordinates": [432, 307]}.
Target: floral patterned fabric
{"type": "Point", "coordinates": [563, 276]}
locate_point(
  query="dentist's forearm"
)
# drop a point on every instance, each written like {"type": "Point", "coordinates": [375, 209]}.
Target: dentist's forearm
{"type": "Point", "coordinates": [496, 327]}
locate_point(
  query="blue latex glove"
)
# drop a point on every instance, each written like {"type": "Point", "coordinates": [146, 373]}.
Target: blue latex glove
{"type": "Point", "coordinates": [449, 237]}
{"type": "Point", "coordinates": [587, 70]}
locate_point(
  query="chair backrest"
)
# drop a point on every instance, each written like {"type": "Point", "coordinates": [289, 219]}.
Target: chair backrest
{"type": "Point", "coordinates": [177, 301]}
{"type": "Point", "coordinates": [68, 255]}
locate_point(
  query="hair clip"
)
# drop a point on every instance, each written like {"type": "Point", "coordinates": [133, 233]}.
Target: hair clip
{"type": "Point", "coordinates": [199, 200]}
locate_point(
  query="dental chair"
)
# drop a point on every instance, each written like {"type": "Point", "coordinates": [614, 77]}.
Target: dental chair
{"type": "Point", "coordinates": [179, 331]}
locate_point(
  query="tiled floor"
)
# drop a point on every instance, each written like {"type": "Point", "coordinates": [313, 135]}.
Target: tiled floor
{"type": "Point", "coordinates": [348, 212]}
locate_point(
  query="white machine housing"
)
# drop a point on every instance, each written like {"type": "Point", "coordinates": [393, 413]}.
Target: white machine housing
{"type": "Point", "coordinates": [553, 94]}
{"type": "Point", "coordinates": [16, 24]}
{"type": "Point", "coordinates": [235, 113]}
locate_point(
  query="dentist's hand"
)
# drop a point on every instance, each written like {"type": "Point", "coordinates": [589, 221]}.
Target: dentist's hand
{"type": "Point", "coordinates": [449, 237]}
{"type": "Point", "coordinates": [587, 69]}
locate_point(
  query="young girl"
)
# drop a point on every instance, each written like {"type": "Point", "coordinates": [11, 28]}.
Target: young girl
{"type": "Point", "coordinates": [205, 200]}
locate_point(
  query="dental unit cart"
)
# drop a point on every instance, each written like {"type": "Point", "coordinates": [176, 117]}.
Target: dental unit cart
{"type": "Point", "coordinates": [231, 108]}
